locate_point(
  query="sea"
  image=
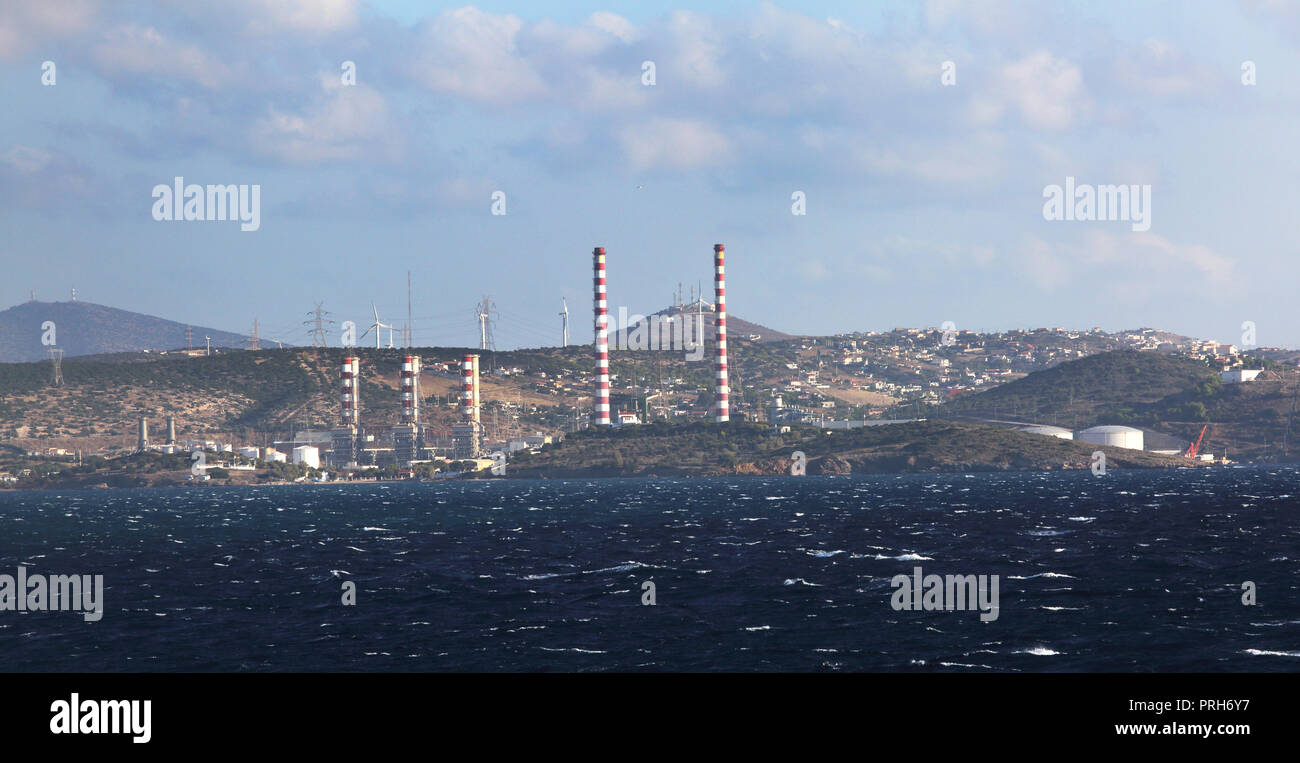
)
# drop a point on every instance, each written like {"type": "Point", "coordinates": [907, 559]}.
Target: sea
{"type": "Point", "coordinates": [1132, 571]}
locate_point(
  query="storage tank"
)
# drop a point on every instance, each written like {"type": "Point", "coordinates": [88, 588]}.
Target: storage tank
{"type": "Point", "coordinates": [308, 455]}
{"type": "Point", "coordinates": [1050, 431]}
{"type": "Point", "coordinates": [1116, 436]}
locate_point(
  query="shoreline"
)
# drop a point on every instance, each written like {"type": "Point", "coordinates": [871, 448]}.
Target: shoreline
{"type": "Point", "coordinates": [568, 477]}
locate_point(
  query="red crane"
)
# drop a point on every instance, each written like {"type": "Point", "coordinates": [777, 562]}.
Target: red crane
{"type": "Point", "coordinates": [1196, 446]}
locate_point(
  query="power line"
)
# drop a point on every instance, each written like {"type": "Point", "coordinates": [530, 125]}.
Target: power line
{"type": "Point", "coordinates": [318, 323]}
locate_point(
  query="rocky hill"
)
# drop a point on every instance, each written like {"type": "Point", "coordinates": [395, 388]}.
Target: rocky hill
{"type": "Point", "coordinates": [84, 328]}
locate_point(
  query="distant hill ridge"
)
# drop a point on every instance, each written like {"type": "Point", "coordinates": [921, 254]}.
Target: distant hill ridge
{"type": "Point", "coordinates": [85, 328]}
{"type": "Point", "coordinates": [737, 327]}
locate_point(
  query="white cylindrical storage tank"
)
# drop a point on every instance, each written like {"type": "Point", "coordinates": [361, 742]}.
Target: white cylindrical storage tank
{"type": "Point", "coordinates": [1048, 430]}
{"type": "Point", "coordinates": [1116, 436]}
{"type": "Point", "coordinates": [308, 455]}
{"type": "Point", "coordinates": [274, 455]}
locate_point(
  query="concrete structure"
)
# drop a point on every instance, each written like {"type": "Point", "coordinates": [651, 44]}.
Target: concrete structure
{"type": "Point", "coordinates": [250, 452]}
{"type": "Point", "coordinates": [1238, 375]}
{"type": "Point", "coordinates": [171, 430]}
{"type": "Point", "coordinates": [344, 441]}
{"type": "Point", "coordinates": [1050, 431]}
{"type": "Point", "coordinates": [307, 455]}
{"type": "Point", "coordinates": [408, 437]}
{"type": "Point", "coordinates": [142, 437]}
{"type": "Point", "coordinates": [600, 391]}
{"type": "Point", "coordinates": [465, 441]}
{"type": "Point", "coordinates": [274, 455]}
{"type": "Point", "coordinates": [467, 436]}
{"type": "Point", "coordinates": [411, 389]}
{"type": "Point", "coordinates": [1116, 436]}
{"type": "Point", "coordinates": [350, 382]}
{"type": "Point", "coordinates": [723, 390]}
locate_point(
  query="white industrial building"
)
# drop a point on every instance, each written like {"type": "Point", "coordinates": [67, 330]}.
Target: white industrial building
{"type": "Point", "coordinates": [274, 455]}
{"type": "Point", "coordinates": [249, 451]}
{"type": "Point", "coordinates": [1050, 431]}
{"type": "Point", "coordinates": [308, 455]}
{"type": "Point", "coordinates": [1115, 436]}
{"type": "Point", "coordinates": [1238, 375]}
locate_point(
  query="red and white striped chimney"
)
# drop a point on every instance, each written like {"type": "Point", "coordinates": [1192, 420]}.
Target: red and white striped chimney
{"type": "Point", "coordinates": [349, 379]}
{"type": "Point", "coordinates": [723, 391]}
{"type": "Point", "coordinates": [410, 395]}
{"type": "Point", "coordinates": [600, 398]}
{"type": "Point", "coordinates": [469, 389]}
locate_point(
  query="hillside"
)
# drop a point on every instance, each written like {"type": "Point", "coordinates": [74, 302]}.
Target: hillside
{"type": "Point", "coordinates": [1095, 389]}
{"type": "Point", "coordinates": [705, 449]}
{"type": "Point", "coordinates": [1170, 394]}
{"type": "Point", "coordinates": [84, 328]}
{"type": "Point", "coordinates": [250, 393]}
{"type": "Point", "coordinates": [736, 326]}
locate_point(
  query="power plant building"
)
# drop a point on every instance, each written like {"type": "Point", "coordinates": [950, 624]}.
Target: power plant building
{"type": "Point", "coordinates": [307, 455]}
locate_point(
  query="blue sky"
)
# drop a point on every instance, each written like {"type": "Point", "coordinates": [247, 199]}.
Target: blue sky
{"type": "Point", "coordinates": [924, 201]}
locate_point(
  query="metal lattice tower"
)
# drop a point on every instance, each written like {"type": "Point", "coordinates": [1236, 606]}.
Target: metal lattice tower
{"type": "Point", "coordinates": [318, 324]}
{"type": "Point", "coordinates": [254, 340]}
{"type": "Point", "coordinates": [56, 359]}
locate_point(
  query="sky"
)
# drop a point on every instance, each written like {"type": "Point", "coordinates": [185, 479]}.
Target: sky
{"type": "Point", "coordinates": [917, 138]}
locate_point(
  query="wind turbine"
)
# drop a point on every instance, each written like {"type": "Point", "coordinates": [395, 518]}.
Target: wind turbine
{"type": "Point", "coordinates": [378, 327]}
{"type": "Point", "coordinates": [565, 316]}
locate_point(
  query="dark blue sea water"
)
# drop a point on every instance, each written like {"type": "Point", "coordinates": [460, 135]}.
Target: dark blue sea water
{"type": "Point", "coordinates": [1133, 571]}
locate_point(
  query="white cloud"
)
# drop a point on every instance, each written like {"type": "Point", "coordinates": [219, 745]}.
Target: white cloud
{"type": "Point", "coordinates": [1047, 92]}
{"type": "Point", "coordinates": [695, 47]}
{"type": "Point", "coordinates": [134, 50]}
{"type": "Point", "coordinates": [311, 17]}
{"type": "Point", "coordinates": [613, 24]}
{"type": "Point", "coordinates": [26, 26]}
{"type": "Point", "coordinates": [1134, 265]}
{"type": "Point", "coordinates": [475, 55]}
{"type": "Point", "coordinates": [26, 159]}
{"type": "Point", "coordinates": [678, 143]}
{"type": "Point", "coordinates": [344, 123]}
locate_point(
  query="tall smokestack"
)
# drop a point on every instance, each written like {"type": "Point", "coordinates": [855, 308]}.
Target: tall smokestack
{"type": "Point", "coordinates": [411, 389]}
{"type": "Point", "coordinates": [469, 399]}
{"type": "Point", "coordinates": [142, 441]}
{"type": "Point", "coordinates": [171, 430]}
{"type": "Point", "coordinates": [600, 397]}
{"type": "Point", "coordinates": [723, 391]}
{"type": "Point", "coordinates": [349, 379]}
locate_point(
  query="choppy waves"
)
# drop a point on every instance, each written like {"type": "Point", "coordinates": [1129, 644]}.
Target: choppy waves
{"type": "Point", "coordinates": [1136, 571]}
